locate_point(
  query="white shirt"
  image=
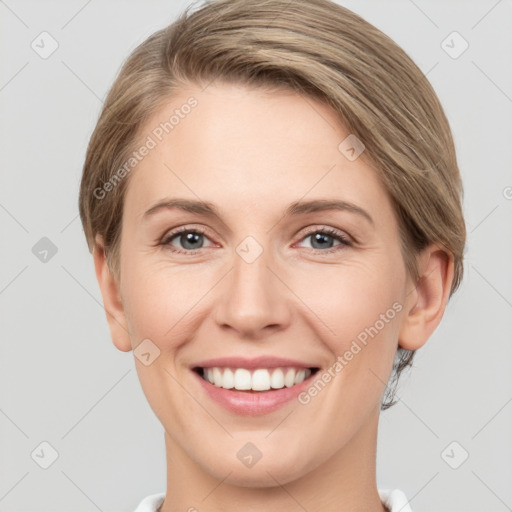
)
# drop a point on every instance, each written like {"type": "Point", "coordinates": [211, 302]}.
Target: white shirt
{"type": "Point", "coordinates": [394, 499]}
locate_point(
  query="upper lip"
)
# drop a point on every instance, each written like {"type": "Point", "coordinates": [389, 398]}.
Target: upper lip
{"type": "Point", "coordinates": [253, 363]}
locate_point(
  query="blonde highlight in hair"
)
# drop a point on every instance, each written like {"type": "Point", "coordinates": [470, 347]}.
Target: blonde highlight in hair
{"type": "Point", "coordinates": [318, 49]}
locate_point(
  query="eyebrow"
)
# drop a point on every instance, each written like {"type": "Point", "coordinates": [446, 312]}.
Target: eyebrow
{"type": "Point", "coordinates": [296, 208]}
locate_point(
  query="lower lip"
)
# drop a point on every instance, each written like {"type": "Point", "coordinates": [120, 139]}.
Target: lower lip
{"type": "Point", "coordinates": [255, 403]}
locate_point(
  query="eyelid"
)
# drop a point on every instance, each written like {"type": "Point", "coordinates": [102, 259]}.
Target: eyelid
{"type": "Point", "coordinates": [329, 230]}
{"type": "Point", "coordinates": [165, 240]}
{"type": "Point", "coordinates": [344, 238]}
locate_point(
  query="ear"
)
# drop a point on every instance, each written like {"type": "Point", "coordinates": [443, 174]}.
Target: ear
{"type": "Point", "coordinates": [426, 302]}
{"type": "Point", "coordinates": [114, 308]}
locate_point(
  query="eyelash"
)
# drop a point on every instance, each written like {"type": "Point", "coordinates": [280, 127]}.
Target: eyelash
{"type": "Point", "coordinates": [338, 235]}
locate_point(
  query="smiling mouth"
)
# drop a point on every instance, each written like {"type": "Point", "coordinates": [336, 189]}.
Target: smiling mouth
{"type": "Point", "coordinates": [255, 380]}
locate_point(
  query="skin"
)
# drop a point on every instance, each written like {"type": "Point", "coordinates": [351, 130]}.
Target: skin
{"type": "Point", "coordinates": [252, 153]}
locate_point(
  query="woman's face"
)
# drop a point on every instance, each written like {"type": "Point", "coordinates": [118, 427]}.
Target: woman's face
{"type": "Point", "coordinates": [265, 290]}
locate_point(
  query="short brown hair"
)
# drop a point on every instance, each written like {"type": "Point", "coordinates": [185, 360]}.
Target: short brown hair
{"type": "Point", "coordinates": [316, 48]}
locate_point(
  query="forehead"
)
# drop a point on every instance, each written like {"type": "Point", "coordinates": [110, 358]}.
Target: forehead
{"type": "Point", "coordinates": [247, 147]}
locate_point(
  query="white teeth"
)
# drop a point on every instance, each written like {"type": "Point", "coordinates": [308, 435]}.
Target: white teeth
{"type": "Point", "coordinates": [242, 379]}
{"type": "Point", "coordinates": [289, 378]}
{"type": "Point", "coordinates": [277, 379]}
{"type": "Point", "coordinates": [228, 380]}
{"type": "Point", "coordinates": [217, 377]}
{"type": "Point", "coordinates": [261, 379]}
{"type": "Point", "coordinates": [299, 376]}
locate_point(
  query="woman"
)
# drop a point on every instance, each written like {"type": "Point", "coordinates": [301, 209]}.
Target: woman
{"type": "Point", "coordinates": [272, 199]}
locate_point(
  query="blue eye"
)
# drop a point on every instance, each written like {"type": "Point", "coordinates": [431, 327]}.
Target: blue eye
{"type": "Point", "coordinates": [322, 240]}
{"type": "Point", "coordinates": [190, 239]}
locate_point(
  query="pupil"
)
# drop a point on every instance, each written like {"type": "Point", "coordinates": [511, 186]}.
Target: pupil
{"type": "Point", "coordinates": [321, 238]}
{"type": "Point", "coordinates": [191, 238]}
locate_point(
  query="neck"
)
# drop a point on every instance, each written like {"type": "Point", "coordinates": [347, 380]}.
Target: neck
{"type": "Point", "coordinates": [345, 482]}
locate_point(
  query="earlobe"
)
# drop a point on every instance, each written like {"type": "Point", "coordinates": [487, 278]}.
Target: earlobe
{"type": "Point", "coordinates": [427, 301]}
{"type": "Point", "coordinates": [114, 309]}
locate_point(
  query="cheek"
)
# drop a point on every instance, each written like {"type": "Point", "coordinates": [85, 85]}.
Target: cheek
{"type": "Point", "coordinates": [160, 303]}
{"type": "Point", "coordinates": [363, 313]}
{"type": "Point", "coordinates": [160, 300]}
{"type": "Point", "coordinates": [358, 302]}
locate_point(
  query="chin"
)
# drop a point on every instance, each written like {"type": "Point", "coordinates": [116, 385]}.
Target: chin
{"type": "Point", "coordinates": [271, 472]}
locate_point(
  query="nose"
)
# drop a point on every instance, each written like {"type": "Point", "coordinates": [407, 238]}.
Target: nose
{"type": "Point", "coordinates": [253, 301]}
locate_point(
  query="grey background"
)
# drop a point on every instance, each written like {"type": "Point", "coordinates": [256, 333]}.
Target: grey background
{"type": "Point", "coordinates": [61, 379]}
